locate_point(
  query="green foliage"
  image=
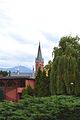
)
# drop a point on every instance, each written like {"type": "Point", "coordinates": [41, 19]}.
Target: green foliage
{"type": "Point", "coordinates": [42, 84]}
{"type": "Point", "coordinates": [48, 66]}
{"type": "Point", "coordinates": [28, 92]}
{"type": "Point", "coordinates": [48, 71]}
{"type": "Point", "coordinates": [65, 71]}
{"type": "Point", "coordinates": [38, 83]}
{"type": "Point", "coordinates": [3, 73]}
{"type": "Point", "coordinates": [42, 108]}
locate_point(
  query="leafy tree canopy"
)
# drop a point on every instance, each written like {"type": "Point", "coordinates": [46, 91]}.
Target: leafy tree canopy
{"type": "Point", "coordinates": [65, 66]}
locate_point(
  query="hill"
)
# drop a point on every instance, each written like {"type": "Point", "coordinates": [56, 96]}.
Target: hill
{"type": "Point", "coordinates": [21, 69]}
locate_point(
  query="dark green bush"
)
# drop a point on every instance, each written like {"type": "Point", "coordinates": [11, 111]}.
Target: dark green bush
{"type": "Point", "coordinates": [42, 108]}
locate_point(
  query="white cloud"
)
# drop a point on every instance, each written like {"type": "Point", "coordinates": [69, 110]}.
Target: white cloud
{"type": "Point", "coordinates": [22, 23]}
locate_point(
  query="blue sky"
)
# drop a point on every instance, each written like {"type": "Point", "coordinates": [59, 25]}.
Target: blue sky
{"type": "Point", "coordinates": [23, 23]}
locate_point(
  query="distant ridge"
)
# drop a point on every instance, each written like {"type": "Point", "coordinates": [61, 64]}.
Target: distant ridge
{"type": "Point", "coordinates": [21, 69]}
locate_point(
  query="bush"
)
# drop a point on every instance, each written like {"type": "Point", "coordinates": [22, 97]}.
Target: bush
{"type": "Point", "coordinates": [42, 108]}
{"type": "Point", "coordinates": [28, 92]}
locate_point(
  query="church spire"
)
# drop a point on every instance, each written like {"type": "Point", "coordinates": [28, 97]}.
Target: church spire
{"type": "Point", "coordinates": [39, 60]}
{"type": "Point", "coordinates": [39, 55]}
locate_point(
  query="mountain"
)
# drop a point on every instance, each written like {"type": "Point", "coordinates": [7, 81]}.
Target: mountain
{"type": "Point", "coordinates": [21, 69]}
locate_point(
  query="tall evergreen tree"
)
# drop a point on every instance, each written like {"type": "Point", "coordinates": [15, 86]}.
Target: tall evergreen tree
{"type": "Point", "coordinates": [38, 83]}
{"type": "Point", "coordinates": [42, 84]}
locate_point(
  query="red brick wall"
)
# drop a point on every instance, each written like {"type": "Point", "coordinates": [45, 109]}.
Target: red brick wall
{"type": "Point", "coordinates": [11, 93]}
{"type": "Point", "coordinates": [30, 83]}
{"type": "Point", "coordinates": [39, 65]}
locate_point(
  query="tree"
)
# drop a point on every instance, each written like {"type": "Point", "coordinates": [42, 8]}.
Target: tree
{"type": "Point", "coordinates": [3, 73]}
{"type": "Point", "coordinates": [41, 84]}
{"type": "Point", "coordinates": [38, 83]}
{"type": "Point", "coordinates": [28, 92]}
{"type": "Point", "coordinates": [46, 83]}
{"type": "Point", "coordinates": [65, 71]}
{"type": "Point", "coordinates": [48, 70]}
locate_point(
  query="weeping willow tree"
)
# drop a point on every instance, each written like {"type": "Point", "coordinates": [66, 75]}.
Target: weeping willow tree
{"type": "Point", "coordinates": [64, 78]}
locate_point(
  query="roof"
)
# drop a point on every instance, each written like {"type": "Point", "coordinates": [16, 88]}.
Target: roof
{"type": "Point", "coordinates": [39, 55]}
{"type": "Point", "coordinates": [16, 78]}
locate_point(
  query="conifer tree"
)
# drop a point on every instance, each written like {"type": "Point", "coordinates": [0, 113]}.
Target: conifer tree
{"type": "Point", "coordinates": [42, 84]}
{"type": "Point", "coordinates": [38, 83]}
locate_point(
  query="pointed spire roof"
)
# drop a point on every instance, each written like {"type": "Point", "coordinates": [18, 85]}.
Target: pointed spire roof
{"type": "Point", "coordinates": [39, 55]}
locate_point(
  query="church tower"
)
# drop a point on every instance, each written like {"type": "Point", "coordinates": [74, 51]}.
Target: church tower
{"type": "Point", "coordinates": [39, 60]}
